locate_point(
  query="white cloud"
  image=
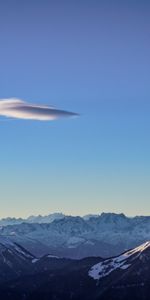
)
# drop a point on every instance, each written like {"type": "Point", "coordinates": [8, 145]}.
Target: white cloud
{"type": "Point", "coordinates": [16, 108]}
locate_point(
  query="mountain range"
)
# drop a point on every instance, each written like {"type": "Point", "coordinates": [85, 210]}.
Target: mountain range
{"type": "Point", "coordinates": [26, 277]}
{"type": "Point", "coordinates": [102, 235]}
{"type": "Point", "coordinates": [32, 219]}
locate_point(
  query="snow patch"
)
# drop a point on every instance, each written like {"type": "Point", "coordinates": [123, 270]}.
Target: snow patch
{"type": "Point", "coordinates": [35, 260]}
{"type": "Point", "coordinates": [52, 256]}
{"type": "Point", "coordinates": [104, 268]}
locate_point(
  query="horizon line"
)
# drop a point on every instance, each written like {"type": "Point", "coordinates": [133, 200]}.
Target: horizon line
{"type": "Point", "coordinates": [73, 215]}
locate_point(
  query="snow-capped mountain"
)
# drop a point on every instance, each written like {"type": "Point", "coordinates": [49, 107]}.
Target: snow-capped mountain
{"type": "Point", "coordinates": [121, 262]}
{"type": "Point", "coordinates": [124, 277]}
{"type": "Point", "coordinates": [106, 235]}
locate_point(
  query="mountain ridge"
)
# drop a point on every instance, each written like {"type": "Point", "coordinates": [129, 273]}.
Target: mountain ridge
{"type": "Point", "coordinates": [59, 215]}
{"type": "Point", "coordinates": [122, 277]}
{"type": "Point", "coordinates": [76, 237]}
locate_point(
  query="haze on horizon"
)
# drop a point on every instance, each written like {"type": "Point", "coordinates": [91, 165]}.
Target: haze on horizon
{"type": "Point", "coordinates": [89, 57]}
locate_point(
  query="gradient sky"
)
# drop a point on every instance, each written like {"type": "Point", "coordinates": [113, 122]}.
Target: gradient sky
{"type": "Point", "coordinates": [93, 58]}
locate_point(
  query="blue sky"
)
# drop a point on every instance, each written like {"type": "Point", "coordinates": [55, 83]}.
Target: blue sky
{"type": "Point", "coordinates": [89, 57]}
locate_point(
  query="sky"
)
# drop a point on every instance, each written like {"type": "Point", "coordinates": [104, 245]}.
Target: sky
{"type": "Point", "coordinates": [88, 57]}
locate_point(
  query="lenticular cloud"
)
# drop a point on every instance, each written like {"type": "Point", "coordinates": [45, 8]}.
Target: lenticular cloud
{"type": "Point", "coordinates": [19, 109]}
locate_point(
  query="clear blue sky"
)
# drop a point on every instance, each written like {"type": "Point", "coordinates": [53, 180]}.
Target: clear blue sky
{"type": "Point", "coordinates": [93, 58]}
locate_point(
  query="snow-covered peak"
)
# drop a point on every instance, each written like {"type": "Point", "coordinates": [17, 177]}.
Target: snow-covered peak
{"type": "Point", "coordinates": [123, 262]}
